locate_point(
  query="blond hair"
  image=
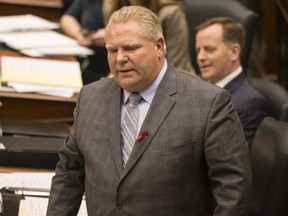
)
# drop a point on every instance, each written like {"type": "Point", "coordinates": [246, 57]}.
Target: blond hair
{"type": "Point", "coordinates": [148, 21]}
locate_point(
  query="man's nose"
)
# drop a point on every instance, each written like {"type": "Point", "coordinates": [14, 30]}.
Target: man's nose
{"type": "Point", "coordinates": [201, 55]}
{"type": "Point", "coordinates": [121, 56]}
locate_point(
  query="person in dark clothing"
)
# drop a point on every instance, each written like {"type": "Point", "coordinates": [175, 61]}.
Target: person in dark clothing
{"type": "Point", "coordinates": [219, 42]}
{"type": "Point", "coordinates": [84, 21]}
{"type": "Point", "coordinates": [66, 4]}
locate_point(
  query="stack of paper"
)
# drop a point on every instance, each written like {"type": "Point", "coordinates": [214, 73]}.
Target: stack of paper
{"type": "Point", "coordinates": [33, 36]}
{"type": "Point", "coordinates": [35, 186]}
{"type": "Point", "coordinates": [55, 77]}
{"type": "Point", "coordinates": [36, 39]}
{"type": "Point", "coordinates": [32, 181]}
{"type": "Point", "coordinates": [37, 206]}
{"type": "Point", "coordinates": [25, 23]}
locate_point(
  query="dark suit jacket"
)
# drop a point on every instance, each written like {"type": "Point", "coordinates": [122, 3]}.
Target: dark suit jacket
{"type": "Point", "coordinates": [249, 103]}
{"type": "Point", "coordinates": [195, 160]}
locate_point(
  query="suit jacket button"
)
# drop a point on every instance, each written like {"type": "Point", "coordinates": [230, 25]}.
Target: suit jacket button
{"type": "Point", "coordinates": [119, 205]}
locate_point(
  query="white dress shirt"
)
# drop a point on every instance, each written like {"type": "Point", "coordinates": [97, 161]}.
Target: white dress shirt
{"type": "Point", "coordinates": [147, 95]}
{"type": "Point", "coordinates": [222, 83]}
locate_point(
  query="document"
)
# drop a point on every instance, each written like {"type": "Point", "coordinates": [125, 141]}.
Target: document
{"type": "Point", "coordinates": [36, 206]}
{"type": "Point", "coordinates": [45, 72]}
{"type": "Point", "coordinates": [72, 50]}
{"type": "Point", "coordinates": [44, 43]}
{"type": "Point", "coordinates": [27, 181]}
{"type": "Point", "coordinates": [66, 50]}
{"type": "Point", "coordinates": [33, 36]}
{"type": "Point", "coordinates": [26, 22]}
{"type": "Point", "coordinates": [48, 90]}
{"type": "Point", "coordinates": [36, 39]}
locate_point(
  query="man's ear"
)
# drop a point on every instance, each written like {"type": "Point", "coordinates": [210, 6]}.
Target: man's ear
{"type": "Point", "coordinates": [236, 50]}
{"type": "Point", "coordinates": [160, 47]}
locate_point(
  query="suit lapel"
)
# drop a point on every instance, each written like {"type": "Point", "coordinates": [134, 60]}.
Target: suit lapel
{"type": "Point", "coordinates": [113, 108]}
{"type": "Point", "coordinates": [159, 109]}
{"type": "Point", "coordinates": [234, 84]}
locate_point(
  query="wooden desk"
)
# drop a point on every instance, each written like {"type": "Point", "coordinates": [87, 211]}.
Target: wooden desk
{"type": "Point", "coordinates": [11, 200]}
{"type": "Point", "coordinates": [47, 9]}
{"type": "Point", "coordinates": [36, 106]}
{"type": "Point", "coordinates": [5, 169]}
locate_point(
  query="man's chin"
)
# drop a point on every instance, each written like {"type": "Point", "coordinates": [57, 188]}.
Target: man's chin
{"type": "Point", "coordinates": [129, 84]}
{"type": "Point", "coordinates": [205, 75]}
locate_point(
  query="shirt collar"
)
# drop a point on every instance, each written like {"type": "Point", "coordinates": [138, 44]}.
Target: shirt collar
{"type": "Point", "coordinates": [222, 83]}
{"type": "Point", "coordinates": [148, 94]}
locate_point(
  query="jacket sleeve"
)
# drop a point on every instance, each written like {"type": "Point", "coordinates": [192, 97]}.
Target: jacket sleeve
{"type": "Point", "coordinates": [67, 187]}
{"type": "Point", "coordinates": [227, 158]}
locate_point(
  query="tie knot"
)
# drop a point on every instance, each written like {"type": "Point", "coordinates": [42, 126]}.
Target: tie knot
{"type": "Point", "coordinates": [135, 98]}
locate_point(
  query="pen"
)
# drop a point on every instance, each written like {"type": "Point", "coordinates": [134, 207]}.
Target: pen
{"type": "Point", "coordinates": [1, 205]}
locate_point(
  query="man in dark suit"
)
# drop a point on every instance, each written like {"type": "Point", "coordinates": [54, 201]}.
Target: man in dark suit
{"type": "Point", "coordinates": [190, 156]}
{"type": "Point", "coordinates": [219, 42]}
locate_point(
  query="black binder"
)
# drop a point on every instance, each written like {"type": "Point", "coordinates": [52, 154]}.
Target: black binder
{"type": "Point", "coordinates": [33, 128]}
{"type": "Point", "coordinates": [31, 144]}
{"type": "Point", "coordinates": [36, 152]}
{"type": "Point", "coordinates": [10, 202]}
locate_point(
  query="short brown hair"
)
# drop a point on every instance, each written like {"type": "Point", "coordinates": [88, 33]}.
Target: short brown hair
{"type": "Point", "coordinates": [233, 31]}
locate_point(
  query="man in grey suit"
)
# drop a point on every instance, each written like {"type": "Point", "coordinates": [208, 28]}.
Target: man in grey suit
{"type": "Point", "coordinates": [190, 156]}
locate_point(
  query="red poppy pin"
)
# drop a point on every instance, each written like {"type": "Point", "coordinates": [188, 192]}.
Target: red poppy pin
{"type": "Point", "coordinates": [143, 135]}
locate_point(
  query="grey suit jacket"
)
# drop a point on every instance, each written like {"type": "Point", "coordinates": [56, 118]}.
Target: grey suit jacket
{"type": "Point", "coordinates": [195, 160]}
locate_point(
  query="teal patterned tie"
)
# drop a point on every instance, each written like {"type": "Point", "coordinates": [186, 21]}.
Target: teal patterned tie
{"type": "Point", "coordinates": [129, 126]}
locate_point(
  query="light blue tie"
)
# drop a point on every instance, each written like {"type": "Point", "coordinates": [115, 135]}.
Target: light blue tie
{"type": "Point", "coordinates": [129, 126]}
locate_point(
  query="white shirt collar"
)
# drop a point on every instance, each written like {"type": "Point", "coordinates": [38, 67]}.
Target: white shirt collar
{"type": "Point", "coordinates": [148, 94]}
{"type": "Point", "coordinates": [222, 83]}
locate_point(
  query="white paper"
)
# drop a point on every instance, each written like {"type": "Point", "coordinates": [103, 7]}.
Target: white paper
{"type": "Point", "coordinates": [33, 36]}
{"type": "Point", "coordinates": [35, 206]}
{"type": "Point", "coordinates": [34, 181]}
{"type": "Point", "coordinates": [24, 23]}
{"type": "Point", "coordinates": [4, 179]}
{"type": "Point", "coordinates": [53, 73]}
{"type": "Point", "coordinates": [48, 90]}
{"type": "Point", "coordinates": [44, 43]}
{"type": "Point", "coordinates": [64, 50]}
{"type": "Point", "coordinates": [74, 50]}
{"type": "Point", "coordinates": [38, 182]}
{"type": "Point", "coordinates": [36, 39]}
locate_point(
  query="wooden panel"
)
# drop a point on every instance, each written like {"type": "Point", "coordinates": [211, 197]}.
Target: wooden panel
{"type": "Point", "coordinates": [271, 41]}
{"type": "Point", "coordinates": [282, 6]}
{"type": "Point", "coordinates": [6, 169]}
{"type": "Point", "coordinates": [47, 9]}
{"type": "Point", "coordinates": [39, 3]}
{"type": "Point", "coordinates": [36, 106]}
{"type": "Point", "coordinates": [271, 34]}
